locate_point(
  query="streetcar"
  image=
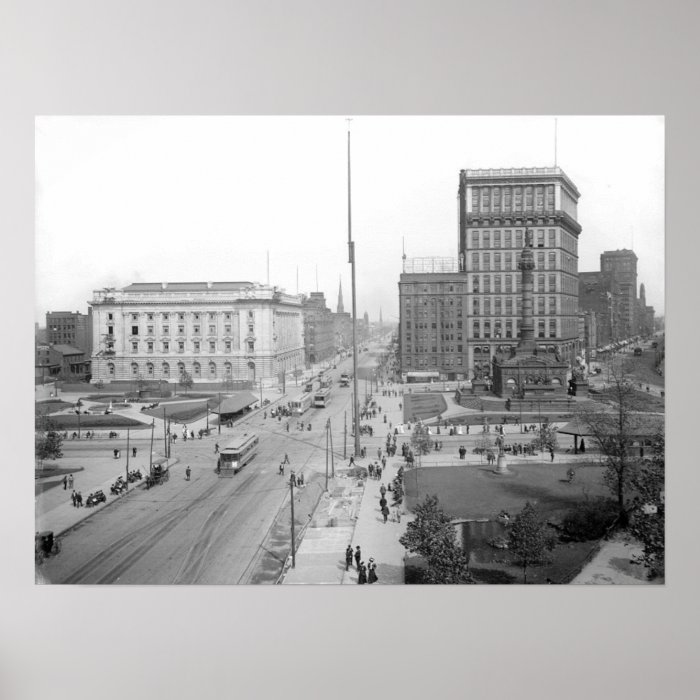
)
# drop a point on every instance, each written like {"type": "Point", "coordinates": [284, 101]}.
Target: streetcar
{"type": "Point", "coordinates": [301, 405]}
{"type": "Point", "coordinates": [344, 379]}
{"type": "Point", "coordinates": [237, 454]}
{"type": "Point", "coordinates": [322, 398]}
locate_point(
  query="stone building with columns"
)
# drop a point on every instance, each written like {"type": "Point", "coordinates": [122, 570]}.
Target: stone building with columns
{"type": "Point", "coordinates": [212, 331]}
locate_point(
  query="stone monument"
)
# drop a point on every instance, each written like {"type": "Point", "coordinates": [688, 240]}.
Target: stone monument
{"type": "Point", "coordinates": [529, 372]}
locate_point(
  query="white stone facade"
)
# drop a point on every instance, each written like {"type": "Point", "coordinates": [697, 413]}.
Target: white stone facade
{"type": "Point", "coordinates": [214, 331]}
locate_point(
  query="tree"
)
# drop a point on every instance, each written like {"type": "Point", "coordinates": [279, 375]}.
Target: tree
{"type": "Point", "coordinates": [420, 439]}
{"type": "Point", "coordinates": [546, 438]}
{"type": "Point", "coordinates": [47, 441]}
{"type": "Point", "coordinates": [612, 432]}
{"type": "Point", "coordinates": [528, 538]}
{"type": "Point", "coordinates": [186, 380]}
{"type": "Point", "coordinates": [648, 518]}
{"type": "Point", "coordinates": [432, 535]}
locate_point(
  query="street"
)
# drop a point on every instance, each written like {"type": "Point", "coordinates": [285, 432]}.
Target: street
{"type": "Point", "coordinates": [209, 530]}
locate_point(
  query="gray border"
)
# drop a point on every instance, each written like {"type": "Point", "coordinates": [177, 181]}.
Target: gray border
{"type": "Point", "coordinates": [310, 57]}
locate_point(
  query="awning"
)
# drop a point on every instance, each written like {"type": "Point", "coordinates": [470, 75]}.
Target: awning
{"type": "Point", "coordinates": [639, 425]}
{"type": "Point", "coordinates": [236, 402]}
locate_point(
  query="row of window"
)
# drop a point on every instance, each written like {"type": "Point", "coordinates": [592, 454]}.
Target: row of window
{"type": "Point", "coordinates": [527, 198]}
{"type": "Point", "coordinates": [510, 328]}
{"type": "Point", "coordinates": [485, 306]}
{"type": "Point", "coordinates": [512, 238]}
{"type": "Point", "coordinates": [196, 329]}
{"type": "Point", "coordinates": [180, 316]}
{"type": "Point", "coordinates": [180, 346]}
{"type": "Point", "coordinates": [510, 261]}
{"type": "Point", "coordinates": [511, 283]}
{"type": "Point", "coordinates": [149, 368]}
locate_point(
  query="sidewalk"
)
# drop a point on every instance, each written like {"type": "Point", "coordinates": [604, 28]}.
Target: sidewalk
{"type": "Point", "coordinates": [350, 514]}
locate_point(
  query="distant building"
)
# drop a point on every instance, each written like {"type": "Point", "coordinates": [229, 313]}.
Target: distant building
{"type": "Point", "coordinates": [213, 331]}
{"type": "Point", "coordinates": [60, 362]}
{"type": "Point", "coordinates": [319, 338]}
{"type": "Point", "coordinates": [70, 328]}
{"type": "Point", "coordinates": [342, 324]}
{"type": "Point", "coordinates": [621, 265]}
{"type": "Point", "coordinates": [433, 312]}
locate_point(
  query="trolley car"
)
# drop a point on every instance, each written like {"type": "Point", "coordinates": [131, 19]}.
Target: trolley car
{"type": "Point", "coordinates": [237, 454]}
{"type": "Point", "coordinates": [322, 398]}
{"type": "Point", "coordinates": [301, 405]}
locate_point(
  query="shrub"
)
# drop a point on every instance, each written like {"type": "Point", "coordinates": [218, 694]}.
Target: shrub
{"type": "Point", "coordinates": [589, 520]}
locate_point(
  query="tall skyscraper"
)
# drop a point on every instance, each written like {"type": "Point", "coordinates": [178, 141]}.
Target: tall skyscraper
{"type": "Point", "coordinates": [495, 208]}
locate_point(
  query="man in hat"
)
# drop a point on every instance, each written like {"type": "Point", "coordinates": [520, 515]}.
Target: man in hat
{"type": "Point", "coordinates": [348, 557]}
{"type": "Point", "coordinates": [358, 556]}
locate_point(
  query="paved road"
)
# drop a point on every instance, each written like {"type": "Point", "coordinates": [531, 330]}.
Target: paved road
{"type": "Point", "coordinates": [207, 530]}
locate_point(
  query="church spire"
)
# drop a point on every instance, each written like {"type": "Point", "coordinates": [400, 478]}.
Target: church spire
{"type": "Point", "coordinates": [340, 297]}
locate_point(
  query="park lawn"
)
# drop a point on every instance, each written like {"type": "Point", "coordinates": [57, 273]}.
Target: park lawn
{"type": "Point", "coordinates": [423, 406]}
{"type": "Point", "coordinates": [474, 492]}
{"type": "Point", "coordinates": [182, 413]}
{"type": "Point", "coordinates": [42, 408]}
{"type": "Point", "coordinates": [69, 421]}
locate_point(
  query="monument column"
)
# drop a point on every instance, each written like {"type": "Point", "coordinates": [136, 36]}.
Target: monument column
{"type": "Point", "coordinates": [527, 324]}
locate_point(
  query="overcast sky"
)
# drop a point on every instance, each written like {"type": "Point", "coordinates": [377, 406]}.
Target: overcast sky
{"type": "Point", "coordinates": [131, 199]}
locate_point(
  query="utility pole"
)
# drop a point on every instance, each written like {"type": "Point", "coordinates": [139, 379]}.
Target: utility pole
{"type": "Point", "coordinates": [150, 457]}
{"type": "Point", "coordinates": [127, 459]}
{"type": "Point", "coordinates": [207, 415]}
{"type": "Point", "coordinates": [351, 260]}
{"type": "Point", "coordinates": [345, 435]}
{"type": "Point", "coordinates": [330, 433]}
{"type": "Point", "coordinates": [219, 413]}
{"type": "Point", "coordinates": [291, 493]}
{"type": "Point", "coordinates": [261, 396]}
{"type": "Point", "coordinates": [327, 444]}
{"type": "Point", "coordinates": [165, 435]}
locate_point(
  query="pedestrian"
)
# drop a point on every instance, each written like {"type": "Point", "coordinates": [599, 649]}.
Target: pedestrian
{"type": "Point", "coordinates": [281, 468]}
{"type": "Point", "coordinates": [358, 556]}
{"type": "Point", "coordinates": [348, 557]}
{"type": "Point", "coordinates": [551, 453]}
{"type": "Point", "coordinates": [382, 490]}
{"type": "Point", "coordinates": [397, 514]}
{"type": "Point", "coordinates": [133, 452]}
{"type": "Point", "coordinates": [216, 448]}
{"type": "Point", "coordinates": [188, 471]}
{"type": "Point", "coordinates": [352, 461]}
{"type": "Point", "coordinates": [362, 578]}
{"type": "Point", "coordinates": [79, 499]}
{"type": "Point", "coordinates": [372, 574]}
{"type": "Point", "coordinates": [379, 453]}
{"type": "Point", "coordinates": [286, 459]}
{"type": "Point", "coordinates": [74, 498]}
{"type": "Point", "coordinates": [385, 513]}
{"type": "Point", "coordinates": [192, 434]}
{"type": "Point", "coordinates": [65, 483]}
{"type": "Point", "coordinates": [70, 481]}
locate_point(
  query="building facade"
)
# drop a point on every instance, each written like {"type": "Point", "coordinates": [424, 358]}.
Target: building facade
{"type": "Point", "coordinates": [319, 338]}
{"type": "Point", "coordinates": [70, 328]}
{"type": "Point", "coordinates": [621, 266]}
{"type": "Point", "coordinates": [433, 303]}
{"type": "Point", "coordinates": [212, 331]}
{"type": "Point", "coordinates": [496, 207]}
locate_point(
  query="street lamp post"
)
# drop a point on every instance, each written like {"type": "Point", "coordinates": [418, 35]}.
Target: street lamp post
{"type": "Point", "coordinates": [219, 421]}
{"type": "Point", "coordinates": [291, 493]}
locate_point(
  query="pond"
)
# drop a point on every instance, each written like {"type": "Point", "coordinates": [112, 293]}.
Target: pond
{"type": "Point", "coordinates": [475, 537]}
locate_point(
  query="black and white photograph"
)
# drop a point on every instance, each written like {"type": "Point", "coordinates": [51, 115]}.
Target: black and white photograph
{"type": "Point", "coordinates": [363, 340]}
{"type": "Point", "coordinates": [364, 350]}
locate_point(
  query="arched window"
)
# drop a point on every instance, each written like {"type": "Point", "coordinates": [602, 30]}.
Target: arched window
{"type": "Point", "coordinates": [134, 369]}
{"type": "Point", "coordinates": [228, 370]}
{"type": "Point", "coordinates": [197, 369]}
{"type": "Point", "coordinates": [166, 370]}
{"type": "Point", "coordinates": [212, 369]}
{"type": "Point", "coordinates": [149, 369]}
{"type": "Point", "coordinates": [110, 369]}
{"type": "Point", "coordinates": [180, 369]}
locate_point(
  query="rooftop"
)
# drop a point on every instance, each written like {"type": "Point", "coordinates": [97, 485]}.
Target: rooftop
{"type": "Point", "coordinates": [519, 173]}
{"type": "Point", "coordinates": [185, 286]}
